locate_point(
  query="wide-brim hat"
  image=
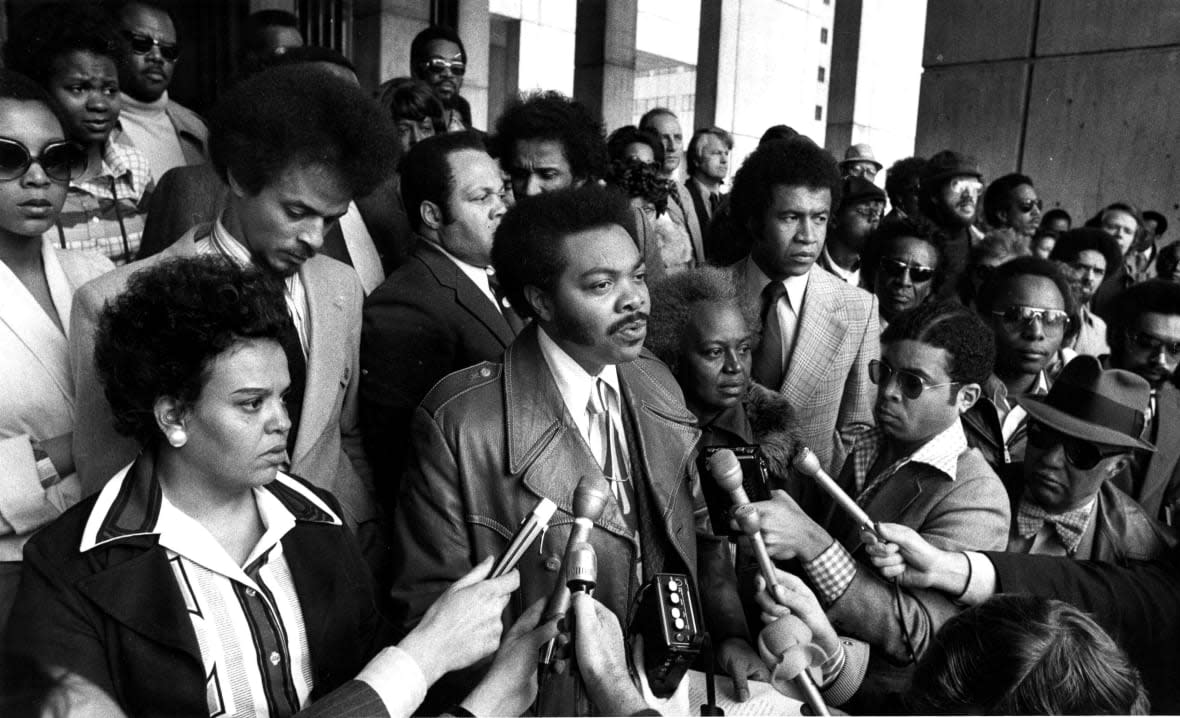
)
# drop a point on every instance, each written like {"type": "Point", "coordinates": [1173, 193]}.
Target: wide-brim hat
{"type": "Point", "coordinates": [860, 153]}
{"type": "Point", "coordinates": [947, 164]}
{"type": "Point", "coordinates": [859, 189]}
{"type": "Point", "coordinates": [1105, 407]}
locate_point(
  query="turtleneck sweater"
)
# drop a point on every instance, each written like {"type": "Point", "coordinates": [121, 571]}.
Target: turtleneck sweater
{"type": "Point", "coordinates": [151, 130]}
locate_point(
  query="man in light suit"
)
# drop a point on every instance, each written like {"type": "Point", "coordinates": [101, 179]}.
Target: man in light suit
{"type": "Point", "coordinates": [294, 146]}
{"type": "Point", "coordinates": [819, 333]}
{"type": "Point", "coordinates": [440, 311]}
{"type": "Point", "coordinates": [664, 123]}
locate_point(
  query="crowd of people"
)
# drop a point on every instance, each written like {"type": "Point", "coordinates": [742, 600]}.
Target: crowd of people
{"type": "Point", "coordinates": [280, 384]}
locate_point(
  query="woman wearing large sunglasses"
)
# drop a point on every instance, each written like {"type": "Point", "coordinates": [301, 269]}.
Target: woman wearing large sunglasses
{"type": "Point", "coordinates": [72, 50]}
{"type": "Point", "coordinates": [37, 284]}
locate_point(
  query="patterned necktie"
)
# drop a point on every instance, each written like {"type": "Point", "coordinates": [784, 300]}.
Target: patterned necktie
{"type": "Point", "coordinates": [1069, 526]}
{"type": "Point", "coordinates": [607, 446]}
{"type": "Point", "coordinates": [768, 360]}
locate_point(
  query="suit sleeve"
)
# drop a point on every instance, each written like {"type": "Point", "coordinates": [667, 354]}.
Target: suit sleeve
{"type": "Point", "coordinates": [99, 451]}
{"type": "Point", "coordinates": [351, 441]}
{"type": "Point", "coordinates": [856, 407]}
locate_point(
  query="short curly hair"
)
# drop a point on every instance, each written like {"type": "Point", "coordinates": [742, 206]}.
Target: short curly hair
{"type": "Point", "coordinates": [951, 326]}
{"type": "Point", "coordinates": [989, 292]}
{"type": "Point", "coordinates": [794, 163]}
{"type": "Point", "coordinates": [552, 116]}
{"type": "Point", "coordinates": [52, 30]}
{"type": "Point", "coordinates": [1154, 296]}
{"type": "Point", "coordinates": [409, 99]}
{"type": "Point", "coordinates": [886, 236]}
{"type": "Point", "coordinates": [1087, 239]}
{"type": "Point", "coordinates": [901, 175]}
{"type": "Point", "coordinates": [995, 197]}
{"type": "Point", "coordinates": [627, 135]}
{"type": "Point", "coordinates": [159, 337]}
{"type": "Point", "coordinates": [1025, 655]}
{"type": "Point", "coordinates": [673, 299]}
{"type": "Point", "coordinates": [430, 34]}
{"type": "Point", "coordinates": [529, 245]}
{"type": "Point", "coordinates": [297, 115]}
{"type": "Point", "coordinates": [639, 179]}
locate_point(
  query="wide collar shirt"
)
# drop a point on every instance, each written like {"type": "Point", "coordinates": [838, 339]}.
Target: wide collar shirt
{"type": "Point", "coordinates": [577, 386]}
{"type": "Point", "coordinates": [940, 453]}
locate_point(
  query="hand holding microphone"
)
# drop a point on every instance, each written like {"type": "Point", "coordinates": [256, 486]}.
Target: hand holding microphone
{"type": "Point", "coordinates": [807, 464]}
{"type": "Point", "coordinates": [727, 472]}
{"type": "Point", "coordinates": [786, 645]}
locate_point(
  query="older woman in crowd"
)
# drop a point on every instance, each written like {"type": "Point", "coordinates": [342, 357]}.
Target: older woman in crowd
{"type": "Point", "coordinates": [902, 265]}
{"type": "Point", "coordinates": [73, 51]}
{"type": "Point", "coordinates": [37, 284]}
{"type": "Point", "coordinates": [202, 579]}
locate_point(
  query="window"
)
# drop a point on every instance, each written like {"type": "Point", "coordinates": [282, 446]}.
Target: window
{"type": "Point", "coordinates": [823, 35]}
{"type": "Point", "coordinates": [822, 74]}
{"type": "Point", "coordinates": [819, 112]}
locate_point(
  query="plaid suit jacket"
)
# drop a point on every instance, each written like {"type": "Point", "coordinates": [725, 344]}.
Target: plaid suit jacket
{"type": "Point", "coordinates": [827, 376]}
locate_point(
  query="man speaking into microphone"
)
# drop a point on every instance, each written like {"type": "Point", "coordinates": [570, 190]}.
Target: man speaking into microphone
{"type": "Point", "coordinates": [575, 395]}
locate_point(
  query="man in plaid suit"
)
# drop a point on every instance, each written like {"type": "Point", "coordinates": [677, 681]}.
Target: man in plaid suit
{"type": "Point", "coordinates": [818, 333]}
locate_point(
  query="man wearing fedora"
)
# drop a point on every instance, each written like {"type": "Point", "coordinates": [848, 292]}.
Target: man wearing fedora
{"type": "Point", "coordinates": [861, 205]}
{"type": "Point", "coordinates": [859, 161]}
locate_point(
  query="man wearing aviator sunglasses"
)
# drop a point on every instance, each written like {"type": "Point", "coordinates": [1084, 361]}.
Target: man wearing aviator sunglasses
{"type": "Point", "coordinates": [438, 58]}
{"type": "Point", "coordinates": [167, 133]}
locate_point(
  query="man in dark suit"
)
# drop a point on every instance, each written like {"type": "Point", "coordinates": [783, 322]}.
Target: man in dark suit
{"type": "Point", "coordinates": [440, 311]}
{"type": "Point", "coordinates": [708, 165]}
{"type": "Point", "coordinates": [666, 124]}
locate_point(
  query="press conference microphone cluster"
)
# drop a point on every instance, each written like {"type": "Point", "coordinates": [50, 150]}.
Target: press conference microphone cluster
{"type": "Point", "coordinates": [589, 500]}
{"type": "Point", "coordinates": [807, 464]}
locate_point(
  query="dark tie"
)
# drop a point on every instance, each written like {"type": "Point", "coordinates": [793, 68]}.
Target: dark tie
{"type": "Point", "coordinates": [297, 366]}
{"type": "Point", "coordinates": [768, 360]}
{"type": "Point", "coordinates": [714, 200]}
{"type": "Point", "coordinates": [505, 307]}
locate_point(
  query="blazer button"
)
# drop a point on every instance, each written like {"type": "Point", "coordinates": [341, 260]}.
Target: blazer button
{"type": "Point", "coordinates": [552, 563]}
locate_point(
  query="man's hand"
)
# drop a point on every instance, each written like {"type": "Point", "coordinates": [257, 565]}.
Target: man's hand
{"type": "Point", "coordinates": [463, 626]}
{"type": "Point", "coordinates": [510, 686]}
{"type": "Point", "coordinates": [602, 659]}
{"type": "Point", "coordinates": [915, 563]}
{"type": "Point", "coordinates": [742, 663]}
{"type": "Point", "coordinates": [788, 531]}
{"type": "Point", "coordinates": [792, 596]}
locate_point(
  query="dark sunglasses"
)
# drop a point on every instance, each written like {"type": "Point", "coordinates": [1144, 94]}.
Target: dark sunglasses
{"type": "Point", "coordinates": [910, 384]}
{"type": "Point", "coordinates": [1021, 316]}
{"type": "Point", "coordinates": [1081, 454]}
{"type": "Point", "coordinates": [61, 161]}
{"type": "Point", "coordinates": [1154, 344]}
{"type": "Point", "coordinates": [1027, 205]}
{"type": "Point", "coordinates": [440, 65]}
{"type": "Point", "coordinates": [142, 44]}
{"type": "Point", "coordinates": [896, 269]}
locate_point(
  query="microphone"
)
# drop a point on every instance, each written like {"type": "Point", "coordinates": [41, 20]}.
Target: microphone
{"type": "Point", "coordinates": [807, 464]}
{"type": "Point", "coordinates": [788, 641]}
{"type": "Point", "coordinates": [727, 472]}
{"type": "Point", "coordinates": [583, 569]}
{"type": "Point", "coordinates": [589, 501]}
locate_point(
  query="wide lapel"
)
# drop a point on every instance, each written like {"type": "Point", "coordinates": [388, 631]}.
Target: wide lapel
{"type": "Point", "coordinates": [326, 354]}
{"type": "Point", "coordinates": [25, 318]}
{"type": "Point", "coordinates": [467, 295]}
{"type": "Point", "coordinates": [899, 493]}
{"type": "Point", "coordinates": [667, 434]}
{"type": "Point", "coordinates": [544, 445]}
{"type": "Point", "coordinates": [691, 223]}
{"type": "Point", "coordinates": [819, 337]}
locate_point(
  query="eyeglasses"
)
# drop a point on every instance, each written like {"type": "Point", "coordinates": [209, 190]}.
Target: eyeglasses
{"type": "Point", "coordinates": [1019, 316]}
{"type": "Point", "coordinates": [439, 65]}
{"type": "Point", "coordinates": [966, 185]}
{"type": "Point", "coordinates": [1081, 454]}
{"type": "Point", "coordinates": [1027, 205]}
{"type": "Point", "coordinates": [910, 384]}
{"type": "Point", "coordinates": [61, 161]}
{"type": "Point", "coordinates": [1154, 344]}
{"type": "Point", "coordinates": [872, 214]}
{"type": "Point", "coordinates": [142, 44]}
{"type": "Point", "coordinates": [896, 269]}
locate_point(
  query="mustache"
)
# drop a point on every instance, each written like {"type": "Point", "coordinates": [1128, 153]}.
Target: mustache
{"type": "Point", "coordinates": [629, 319]}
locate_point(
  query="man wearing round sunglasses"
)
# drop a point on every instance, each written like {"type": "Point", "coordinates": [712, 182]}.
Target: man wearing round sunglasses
{"type": "Point", "coordinates": [1144, 338]}
{"type": "Point", "coordinates": [914, 468]}
{"type": "Point", "coordinates": [437, 57]}
{"type": "Point", "coordinates": [950, 190]}
{"type": "Point", "coordinates": [861, 205]}
{"type": "Point", "coordinates": [167, 133]}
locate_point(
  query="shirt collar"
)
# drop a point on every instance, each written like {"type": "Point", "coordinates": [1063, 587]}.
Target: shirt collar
{"type": "Point", "coordinates": [796, 286]}
{"type": "Point", "coordinates": [573, 382]}
{"type": "Point", "coordinates": [479, 275]}
{"type": "Point", "coordinates": [734, 421]}
{"type": "Point", "coordinates": [852, 276]}
{"type": "Point", "coordinates": [941, 452]}
{"type": "Point", "coordinates": [130, 505]}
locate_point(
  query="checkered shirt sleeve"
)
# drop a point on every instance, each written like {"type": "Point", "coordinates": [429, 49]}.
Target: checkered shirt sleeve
{"type": "Point", "coordinates": [831, 573]}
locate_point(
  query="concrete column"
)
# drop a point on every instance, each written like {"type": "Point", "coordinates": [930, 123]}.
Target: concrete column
{"type": "Point", "coordinates": [475, 31]}
{"type": "Point", "coordinates": [382, 31]}
{"type": "Point", "coordinates": [604, 58]}
{"type": "Point", "coordinates": [842, 75]}
{"type": "Point", "coordinates": [717, 60]}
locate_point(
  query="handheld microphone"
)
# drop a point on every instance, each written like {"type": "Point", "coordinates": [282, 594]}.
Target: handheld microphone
{"type": "Point", "coordinates": [788, 641]}
{"type": "Point", "coordinates": [589, 501]}
{"type": "Point", "coordinates": [727, 472]}
{"type": "Point", "coordinates": [530, 528]}
{"type": "Point", "coordinates": [807, 464]}
{"type": "Point", "coordinates": [583, 569]}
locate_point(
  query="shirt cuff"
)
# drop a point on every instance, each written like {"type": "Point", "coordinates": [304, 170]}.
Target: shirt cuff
{"type": "Point", "coordinates": [397, 679]}
{"type": "Point", "coordinates": [831, 573]}
{"type": "Point", "coordinates": [840, 688]}
{"type": "Point", "coordinates": [981, 583]}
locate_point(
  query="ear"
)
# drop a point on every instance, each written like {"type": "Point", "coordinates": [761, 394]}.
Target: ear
{"type": "Point", "coordinates": [967, 395]}
{"type": "Point", "coordinates": [169, 413]}
{"type": "Point", "coordinates": [540, 302]}
{"type": "Point", "coordinates": [431, 214]}
{"type": "Point", "coordinates": [234, 186]}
